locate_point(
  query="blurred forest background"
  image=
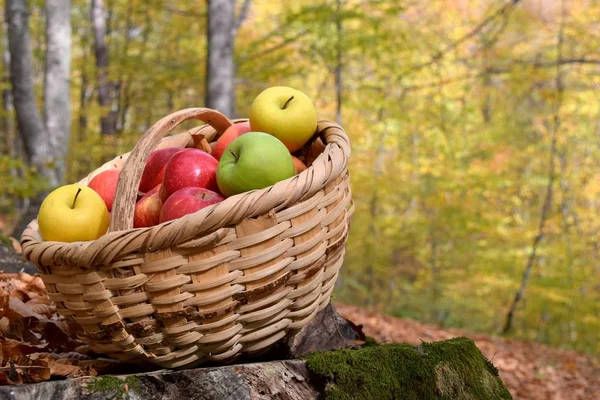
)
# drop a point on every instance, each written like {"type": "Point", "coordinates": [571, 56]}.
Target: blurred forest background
{"type": "Point", "coordinates": [475, 128]}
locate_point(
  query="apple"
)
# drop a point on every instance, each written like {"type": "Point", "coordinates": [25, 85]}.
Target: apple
{"type": "Point", "coordinates": [73, 213]}
{"type": "Point", "coordinates": [254, 160]}
{"type": "Point", "coordinates": [228, 136]}
{"type": "Point", "coordinates": [188, 200]}
{"type": "Point", "coordinates": [285, 113]}
{"type": "Point", "coordinates": [298, 165]}
{"type": "Point", "coordinates": [189, 168]}
{"type": "Point", "coordinates": [147, 209]}
{"type": "Point", "coordinates": [316, 148]}
{"type": "Point", "coordinates": [154, 170]}
{"type": "Point", "coordinates": [105, 184]}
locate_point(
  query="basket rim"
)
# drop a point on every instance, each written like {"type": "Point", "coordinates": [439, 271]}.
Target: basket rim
{"type": "Point", "coordinates": [329, 165]}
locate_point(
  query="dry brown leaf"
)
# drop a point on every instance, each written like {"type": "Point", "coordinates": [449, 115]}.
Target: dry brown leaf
{"type": "Point", "coordinates": [12, 349]}
{"type": "Point", "coordinates": [7, 276]}
{"type": "Point", "coordinates": [44, 309]}
{"type": "Point", "coordinates": [21, 295]}
{"type": "Point", "coordinates": [4, 296]}
{"type": "Point", "coordinates": [36, 299]}
{"type": "Point", "coordinates": [17, 305]}
{"type": "Point", "coordinates": [35, 373]}
{"type": "Point", "coordinates": [4, 325]}
{"type": "Point", "coordinates": [58, 368]}
{"type": "Point", "coordinates": [4, 379]}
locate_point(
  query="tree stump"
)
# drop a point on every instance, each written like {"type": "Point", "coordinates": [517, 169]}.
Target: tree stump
{"type": "Point", "coordinates": [453, 369]}
{"type": "Point", "coordinates": [13, 263]}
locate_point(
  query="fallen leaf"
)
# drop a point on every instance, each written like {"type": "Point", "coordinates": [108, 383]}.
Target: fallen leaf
{"type": "Point", "coordinates": [64, 369]}
{"type": "Point", "coordinates": [17, 305]}
{"type": "Point", "coordinates": [4, 325]}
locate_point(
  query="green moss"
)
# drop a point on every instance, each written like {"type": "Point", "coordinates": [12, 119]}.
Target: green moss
{"type": "Point", "coordinates": [452, 369]}
{"type": "Point", "coordinates": [113, 386]}
{"type": "Point", "coordinates": [369, 341]}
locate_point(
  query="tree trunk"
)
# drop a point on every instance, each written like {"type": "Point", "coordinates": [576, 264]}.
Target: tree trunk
{"type": "Point", "coordinates": [57, 94]}
{"type": "Point", "coordinates": [369, 249]}
{"type": "Point", "coordinates": [85, 86]}
{"type": "Point", "coordinates": [221, 27]}
{"type": "Point", "coordinates": [338, 67]}
{"type": "Point", "coordinates": [30, 124]}
{"type": "Point", "coordinates": [6, 122]}
{"type": "Point", "coordinates": [109, 116]}
{"type": "Point", "coordinates": [549, 196]}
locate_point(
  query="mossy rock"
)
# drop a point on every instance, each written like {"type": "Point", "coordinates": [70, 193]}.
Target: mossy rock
{"type": "Point", "coordinates": [454, 369]}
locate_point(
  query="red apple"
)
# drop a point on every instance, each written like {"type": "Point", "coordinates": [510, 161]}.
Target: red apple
{"type": "Point", "coordinates": [189, 168]}
{"type": "Point", "coordinates": [299, 165]}
{"type": "Point", "coordinates": [154, 170]}
{"type": "Point", "coordinates": [105, 184]}
{"type": "Point", "coordinates": [228, 136]}
{"type": "Point", "coordinates": [147, 209]}
{"type": "Point", "coordinates": [188, 200]}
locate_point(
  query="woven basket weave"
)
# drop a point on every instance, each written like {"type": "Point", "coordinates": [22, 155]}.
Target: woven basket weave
{"type": "Point", "coordinates": [230, 279]}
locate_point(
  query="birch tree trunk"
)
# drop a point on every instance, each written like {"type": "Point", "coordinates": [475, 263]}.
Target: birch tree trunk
{"type": "Point", "coordinates": [109, 117]}
{"type": "Point", "coordinates": [30, 124]}
{"type": "Point", "coordinates": [6, 122]}
{"type": "Point", "coordinates": [45, 141]}
{"type": "Point", "coordinates": [338, 67]}
{"type": "Point", "coordinates": [57, 94]}
{"type": "Point", "coordinates": [220, 69]}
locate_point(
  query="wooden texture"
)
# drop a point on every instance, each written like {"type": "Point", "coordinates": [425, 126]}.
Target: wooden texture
{"type": "Point", "coordinates": [231, 279]}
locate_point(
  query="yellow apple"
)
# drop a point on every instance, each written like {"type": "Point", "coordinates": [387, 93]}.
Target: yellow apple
{"type": "Point", "coordinates": [286, 113]}
{"type": "Point", "coordinates": [73, 213]}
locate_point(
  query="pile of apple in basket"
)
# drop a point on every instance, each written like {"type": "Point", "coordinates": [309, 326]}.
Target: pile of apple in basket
{"type": "Point", "coordinates": [179, 181]}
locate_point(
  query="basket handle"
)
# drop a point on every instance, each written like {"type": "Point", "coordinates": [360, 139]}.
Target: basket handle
{"type": "Point", "coordinates": [129, 179]}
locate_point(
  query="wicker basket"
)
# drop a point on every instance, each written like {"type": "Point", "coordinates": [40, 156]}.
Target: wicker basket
{"type": "Point", "coordinates": [230, 279]}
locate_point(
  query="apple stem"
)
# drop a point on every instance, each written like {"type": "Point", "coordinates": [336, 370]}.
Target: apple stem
{"type": "Point", "coordinates": [287, 102]}
{"type": "Point", "coordinates": [203, 196]}
{"type": "Point", "coordinates": [234, 155]}
{"type": "Point", "coordinates": [75, 199]}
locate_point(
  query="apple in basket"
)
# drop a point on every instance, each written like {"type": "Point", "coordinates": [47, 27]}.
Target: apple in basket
{"type": "Point", "coordinates": [154, 170]}
{"type": "Point", "coordinates": [147, 209]}
{"type": "Point", "coordinates": [286, 113]}
{"type": "Point", "coordinates": [187, 200]}
{"type": "Point", "coordinates": [73, 213]}
{"type": "Point", "coordinates": [254, 160]}
{"type": "Point", "coordinates": [105, 184]}
{"type": "Point", "coordinates": [298, 165]}
{"type": "Point", "coordinates": [189, 168]}
{"type": "Point", "coordinates": [229, 136]}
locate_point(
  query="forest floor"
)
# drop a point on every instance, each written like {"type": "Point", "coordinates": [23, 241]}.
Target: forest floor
{"type": "Point", "coordinates": [529, 370]}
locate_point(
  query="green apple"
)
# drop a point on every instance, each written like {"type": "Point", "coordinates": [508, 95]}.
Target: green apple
{"type": "Point", "coordinates": [73, 213]}
{"type": "Point", "coordinates": [286, 113]}
{"type": "Point", "coordinates": [254, 160]}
